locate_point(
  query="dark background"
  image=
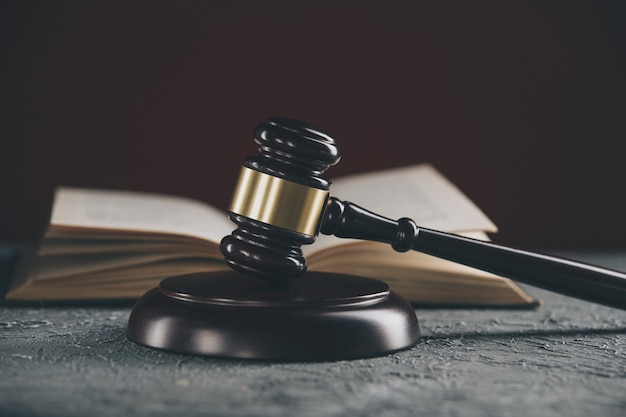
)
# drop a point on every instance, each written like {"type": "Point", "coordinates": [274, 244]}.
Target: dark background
{"type": "Point", "coordinates": [521, 104]}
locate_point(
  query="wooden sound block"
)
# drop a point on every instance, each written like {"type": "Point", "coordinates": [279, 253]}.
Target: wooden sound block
{"type": "Point", "coordinates": [321, 316]}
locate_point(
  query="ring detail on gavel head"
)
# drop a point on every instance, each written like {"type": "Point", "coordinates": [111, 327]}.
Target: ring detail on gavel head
{"type": "Point", "coordinates": [278, 202]}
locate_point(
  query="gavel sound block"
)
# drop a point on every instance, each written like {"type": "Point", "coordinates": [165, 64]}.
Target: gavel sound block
{"type": "Point", "coordinates": [268, 306]}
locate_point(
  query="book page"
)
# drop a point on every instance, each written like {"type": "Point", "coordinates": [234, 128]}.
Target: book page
{"type": "Point", "coordinates": [139, 212]}
{"type": "Point", "coordinates": [419, 192]}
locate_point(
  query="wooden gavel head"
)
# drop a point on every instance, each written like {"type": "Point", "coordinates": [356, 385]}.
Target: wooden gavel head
{"type": "Point", "coordinates": [279, 200]}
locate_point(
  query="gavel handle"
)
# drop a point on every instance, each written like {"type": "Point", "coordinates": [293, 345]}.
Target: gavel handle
{"type": "Point", "coordinates": [587, 282]}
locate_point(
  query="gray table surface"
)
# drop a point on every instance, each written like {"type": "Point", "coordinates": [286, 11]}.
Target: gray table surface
{"type": "Point", "coordinates": [566, 358]}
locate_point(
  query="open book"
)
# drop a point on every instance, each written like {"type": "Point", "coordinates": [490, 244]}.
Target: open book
{"type": "Point", "coordinates": [103, 244]}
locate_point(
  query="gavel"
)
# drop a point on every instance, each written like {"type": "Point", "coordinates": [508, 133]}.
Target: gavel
{"type": "Point", "coordinates": [281, 201]}
{"type": "Point", "coordinates": [267, 307]}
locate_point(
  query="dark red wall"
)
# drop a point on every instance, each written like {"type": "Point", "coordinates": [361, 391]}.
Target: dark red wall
{"type": "Point", "coordinates": [523, 105]}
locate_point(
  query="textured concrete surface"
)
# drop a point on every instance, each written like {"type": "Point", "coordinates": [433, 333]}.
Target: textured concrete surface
{"type": "Point", "coordinates": [568, 357]}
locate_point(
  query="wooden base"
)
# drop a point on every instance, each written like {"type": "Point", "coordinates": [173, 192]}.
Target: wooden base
{"type": "Point", "coordinates": [321, 316]}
